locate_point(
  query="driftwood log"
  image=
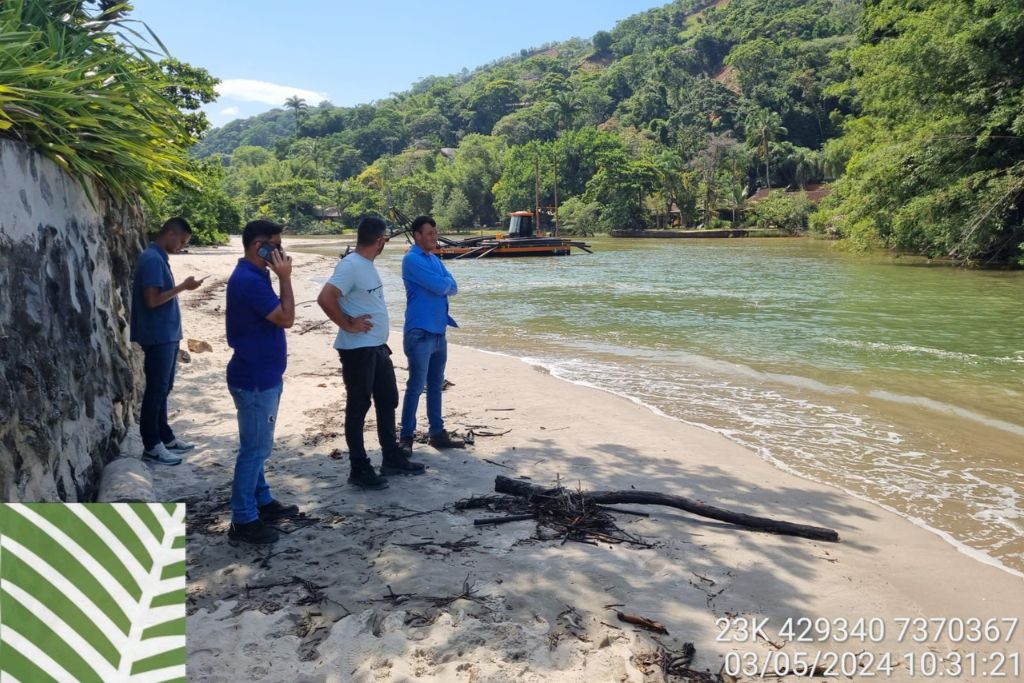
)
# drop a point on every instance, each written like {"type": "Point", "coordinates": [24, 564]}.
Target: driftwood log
{"type": "Point", "coordinates": [515, 487]}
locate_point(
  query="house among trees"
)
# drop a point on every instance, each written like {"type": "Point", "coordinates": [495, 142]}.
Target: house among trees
{"type": "Point", "coordinates": [331, 213]}
{"type": "Point", "coordinates": [815, 192]}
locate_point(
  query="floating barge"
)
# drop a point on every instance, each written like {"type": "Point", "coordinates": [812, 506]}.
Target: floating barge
{"type": "Point", "coordinates": [492, 247]}
{"type": "Point", "coordinates": [519, 241]}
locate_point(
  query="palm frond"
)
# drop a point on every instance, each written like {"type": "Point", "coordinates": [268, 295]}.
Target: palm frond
{"type": "Point", "coordinates": [93, 104]}
{"type": "Point", "coordinates": [92, 592]}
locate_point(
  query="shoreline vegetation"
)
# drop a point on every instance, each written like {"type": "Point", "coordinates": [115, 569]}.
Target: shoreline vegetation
{"type": "Point", "coordinates": [693, 114]}
{"type": "Point", "coordinates": [893, 256]}
{"type": "Point", "coordinates": [401, 582]}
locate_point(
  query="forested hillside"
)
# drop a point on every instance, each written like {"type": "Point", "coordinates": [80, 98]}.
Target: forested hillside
{"type": "Point", "coordinates": [934, 160]}
{"type": "Point", "coordinates": [678, 115]}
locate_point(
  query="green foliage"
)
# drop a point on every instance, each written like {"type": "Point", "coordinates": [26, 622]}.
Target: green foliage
{"type": "Point", "coordinates": [687, 107]}
{"type": "Point", "coordinates": [263, 131]}
{"type": "Point", "coordinates": [189, 88]}
{"type": "Point", "coordinates": [100, 107]}
{"type": "Point", "coordinates": [291, 202]}
{"type": "Point", "coordinates": [476, 168]}
{"type": "Point", "coordinates": [454, 211]}
{"type": "Point", "coordinates": [206, 206]}
{"type": "Point", "coordinates": [490, 102]}
{"type": "Point", "coordinates": [357, 198]}
{"type": "Point", "coordinates": [763, 127]}
{"type": "Point", "coordinates": [620, 186]}
{"type": "Point", "coordinates": [758, 63]}
{"type": "Point", "coordinates": [936, 152]}
{"type": "Point", "coordinates": [514, 190]}
{"type": "Point", "coordinates": [299, 109]}
{"type": "Point", "coordinates": [785, 211]}
{"type": "Point", "coordinates": [535, 122]}
{"type": "Point", "coordinates": [249, 155]}
{"type": "Point", "coordinates": [579, 217]}
{"type": "Point", "coordinates": [679, 187]}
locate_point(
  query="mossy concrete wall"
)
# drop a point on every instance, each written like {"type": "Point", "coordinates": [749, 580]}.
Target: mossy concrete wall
{"type": "Point", "coordinates": [68, 375]}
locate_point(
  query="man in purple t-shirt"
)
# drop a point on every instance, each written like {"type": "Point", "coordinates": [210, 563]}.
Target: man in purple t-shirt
{"type": "Point", "coordinates": [256, 318]}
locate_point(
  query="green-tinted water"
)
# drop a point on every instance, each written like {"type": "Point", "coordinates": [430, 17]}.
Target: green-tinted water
{"type": "Point", "coordinates": [897, 381]}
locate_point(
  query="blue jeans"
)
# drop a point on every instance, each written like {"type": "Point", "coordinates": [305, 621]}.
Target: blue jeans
{"type": "Point", "coordinates": [428, 354]}
{"type": "Point", "coordinates": [159, 367]}
{"type": "Point", "coordinates": [257, 414]}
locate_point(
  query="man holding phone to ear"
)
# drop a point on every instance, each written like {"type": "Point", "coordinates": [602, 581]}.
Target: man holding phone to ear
{"type": "Point", "coordinates": [256, 318]}
{"type": "Point", "coordinates": [156, 326]}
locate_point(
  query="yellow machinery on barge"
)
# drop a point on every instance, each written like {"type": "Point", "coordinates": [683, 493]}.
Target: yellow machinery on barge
{"type": "Point", "coordinates": [520, 240]}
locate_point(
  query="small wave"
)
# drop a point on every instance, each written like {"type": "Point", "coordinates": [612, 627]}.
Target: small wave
{"type": "Point", "coordinates": [1016, 359]}
{"type": "Point", "coordinates": [940, 407]}
{"type": "Point", "coordinates": [973, 553]}
{"type": "Point", "coordinates": [813, 385]}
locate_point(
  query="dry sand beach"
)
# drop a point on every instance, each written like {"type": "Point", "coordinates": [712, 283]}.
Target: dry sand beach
{"type": "Point", "coordinates": [398, 585]}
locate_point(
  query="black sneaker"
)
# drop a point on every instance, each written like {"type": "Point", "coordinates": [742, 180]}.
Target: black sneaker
{"type": "Point", "coordinates": [445, 440]}
{"type": "Point", "coordinates": [398, 463]}
{"type": "Point", "coordinates": [405, 444]}
{"type": "Point", "coordinates": [275, 510]}
{"type": "Point", "coordinates": [256, 533]}
{"type": "Point", "coordinates": [364, 477]}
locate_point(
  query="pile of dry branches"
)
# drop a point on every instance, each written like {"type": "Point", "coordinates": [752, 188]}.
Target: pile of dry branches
{"type": "Point", "coordinates": [560, 513]}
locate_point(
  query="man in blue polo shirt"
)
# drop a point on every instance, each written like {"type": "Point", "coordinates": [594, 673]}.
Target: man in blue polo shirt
{"type": "Point", "coordinates": [354, 299]}
{"type": "Point", "coordinates": [156, 326]}
{"type": "Point", "coordinates": [428, 284]}
{"type": "Point", "coordinates": [256, 318]}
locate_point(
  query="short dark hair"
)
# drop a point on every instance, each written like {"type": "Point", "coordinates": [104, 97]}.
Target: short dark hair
{"type": "Point", "coordinates": [177, 223]}
{"type": "Point", "coordinates": [369, 231]}
{"type": "Point", "coordinates": [257, 229]}
{"type": "Point", "coordinates": [420, 221]}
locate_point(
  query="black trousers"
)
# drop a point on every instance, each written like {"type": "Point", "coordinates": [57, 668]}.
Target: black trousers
{"type": "Point", "coordinates": [369, 376]}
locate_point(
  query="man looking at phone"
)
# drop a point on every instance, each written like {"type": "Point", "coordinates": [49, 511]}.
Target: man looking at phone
{"type": "Point", "coordinates": [256, 318]}
{"type": "Point", "coordinates": [354, 299]}
{"type": "Point", "coordinates": [156, 326]}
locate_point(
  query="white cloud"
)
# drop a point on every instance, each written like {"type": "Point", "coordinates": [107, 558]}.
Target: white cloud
{"type": "Point", "coordinates": [229, 111]}
{"type": "Point", "coordinates": [267, 93]}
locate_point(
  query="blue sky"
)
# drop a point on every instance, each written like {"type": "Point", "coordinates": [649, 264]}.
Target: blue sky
{"type": "Point", "coordinates": [353, 52]}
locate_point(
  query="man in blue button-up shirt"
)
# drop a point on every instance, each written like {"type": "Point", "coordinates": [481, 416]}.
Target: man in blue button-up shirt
{"type": "Point", "coordinates": [428, 284]}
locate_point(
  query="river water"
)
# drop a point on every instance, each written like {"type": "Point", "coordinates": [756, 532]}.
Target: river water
{"type": "Point", "coordinates": [895, 380]}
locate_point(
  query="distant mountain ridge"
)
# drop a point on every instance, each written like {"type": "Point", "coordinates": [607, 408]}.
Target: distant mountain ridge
{"type": "Point", "coordinates": [677, 116]}
{"type": "Point", "coordinates": [261, 130]}
{"type": "Point", "coordinates": [575, 57]}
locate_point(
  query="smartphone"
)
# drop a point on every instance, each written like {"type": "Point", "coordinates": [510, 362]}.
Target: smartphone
{"type": "Point", "coordinates": [265, 251]}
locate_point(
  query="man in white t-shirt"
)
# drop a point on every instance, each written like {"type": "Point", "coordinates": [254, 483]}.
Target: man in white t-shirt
{"type": "Point", "coordinates": [354, 299]}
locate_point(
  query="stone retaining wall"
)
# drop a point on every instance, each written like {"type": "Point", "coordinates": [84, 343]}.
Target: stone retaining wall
{"type": "Point", "coordinates": [68, 386]}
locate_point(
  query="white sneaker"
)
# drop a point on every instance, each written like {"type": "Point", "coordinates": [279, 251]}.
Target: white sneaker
{"type": "Point", "coordinates": [179, 446]}
{"type": "Point", "coordinates": [160, 454]}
